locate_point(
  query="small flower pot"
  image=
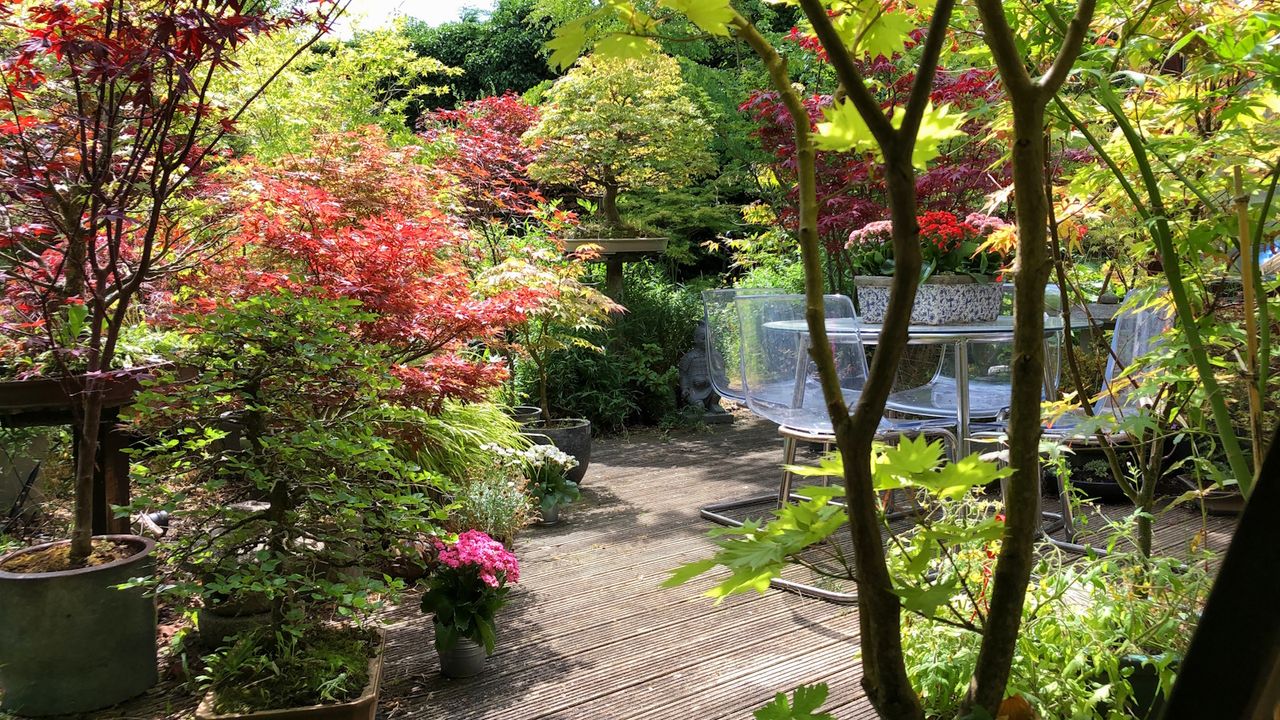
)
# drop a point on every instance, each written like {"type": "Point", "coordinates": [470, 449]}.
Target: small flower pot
{"type": "Point", "coordinates": [465, 659]}
{"type": "Point", "coordinates": [940, 300]}
{"type": "Point", "coordinates": [572, 437]}
{"type": "Point", "coordinates": [550, 516]}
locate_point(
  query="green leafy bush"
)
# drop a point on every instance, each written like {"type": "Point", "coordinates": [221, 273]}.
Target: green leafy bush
{"type": "Point", "coordinates": [493, 501]}
{"type": "Point", "coordinates": [635, 380]}
{"type": "Point", "coordinates": [282, 405]}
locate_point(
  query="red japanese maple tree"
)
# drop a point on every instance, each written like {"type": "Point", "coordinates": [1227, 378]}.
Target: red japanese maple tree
{"type": "Point", "coordinates": [355, 219]}
{"type": "Point", "coordinates": [484, 155]}
{"type": "Point", "coordinates": [106, 124]}
{"type": "Point", "coordinates": [851, 190]}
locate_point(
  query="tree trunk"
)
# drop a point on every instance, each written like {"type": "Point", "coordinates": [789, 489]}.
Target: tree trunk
{"type": "Point", "coordinates": [86, 463]}
{"type": "Point", "coordinates": [880, 611]}
{"type": "Point", "coordinates": [609, 205]}
{"type": "Point", "coordinates": [1022, 495]}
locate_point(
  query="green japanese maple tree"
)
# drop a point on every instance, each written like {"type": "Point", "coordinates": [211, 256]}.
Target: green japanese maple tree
{"type": "Point", "coordinates": [613, 124]}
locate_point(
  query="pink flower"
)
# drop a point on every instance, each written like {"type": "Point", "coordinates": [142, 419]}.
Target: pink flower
{"type": "Point", "coordinates": [493, 563]}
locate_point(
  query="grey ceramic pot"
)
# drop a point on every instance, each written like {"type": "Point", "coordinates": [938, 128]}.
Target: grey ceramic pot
{"type": "Point", "coordinates": [940, 300]}
{"type": "Point", "coordinates": [465, 659]}
{"type": "Point", "coordinates": [525, 413]}
{"type": "Point", "coordinates": [573, 437]}
{"type": "Point", "coordinates": [73, 643]}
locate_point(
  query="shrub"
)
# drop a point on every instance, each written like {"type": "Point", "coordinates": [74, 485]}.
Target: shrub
{"type": "Point", "coordinates": [635, 380]}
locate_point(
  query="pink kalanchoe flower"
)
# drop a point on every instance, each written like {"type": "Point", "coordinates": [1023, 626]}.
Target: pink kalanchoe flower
{"type": "Point", "coordinates": [493, 562]}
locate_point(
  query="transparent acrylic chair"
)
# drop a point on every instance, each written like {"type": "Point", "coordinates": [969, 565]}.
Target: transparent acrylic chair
{"type": "Point", "coordinates": [723, 347]}
{"type": "Point", "coordinates": [781, 381]}
{"type": "Point", "coordinates": [989, 382]}
{"type": "Point", "coordinates": [1137, 333]}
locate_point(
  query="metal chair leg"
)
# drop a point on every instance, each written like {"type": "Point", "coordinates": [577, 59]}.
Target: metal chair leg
{"type": "Point", "coordinates": [788, 458]}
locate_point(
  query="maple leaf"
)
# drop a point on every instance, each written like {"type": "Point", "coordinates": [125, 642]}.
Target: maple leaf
{"type": "Point", "coordinates": [844, 130]}
{"type": "Point", "coordinates": [937, 125]}
{"type": "Point", "coordinates": [805, 704]}
{"type": "Point", "coordinates": [712, 16]}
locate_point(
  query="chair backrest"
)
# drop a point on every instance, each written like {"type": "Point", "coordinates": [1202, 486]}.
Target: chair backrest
{"type": "Point", "coordinates": [1138, 332]}
{"type": "Point", "coordinates": [723, 349]}
{"type": "Point", "coordinates": [780, 379]}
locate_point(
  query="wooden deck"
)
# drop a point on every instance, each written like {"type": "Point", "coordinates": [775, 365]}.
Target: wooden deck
{"type": "Point", "coordinates": [589, 634]}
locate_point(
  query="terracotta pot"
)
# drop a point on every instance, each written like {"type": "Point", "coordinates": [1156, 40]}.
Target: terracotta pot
{"type": "Point", "coordinates": [940, 300]}
{"type": "Point", "coordinates": [364, 707]}
{"type": "Point", "coordinates": [73, 643]}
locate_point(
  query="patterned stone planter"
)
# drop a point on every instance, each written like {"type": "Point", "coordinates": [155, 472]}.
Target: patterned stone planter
{"type": "Point", "coordinates": [940, 300]}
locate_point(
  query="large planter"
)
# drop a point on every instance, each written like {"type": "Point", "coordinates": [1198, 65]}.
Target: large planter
{"type": "Point", "coordinates": [525, 413]}
{"type": "Point", "coordinates": [465, 659]}
{"type": "Point", "coordinates": [573, 437]}
{"type": "Point", "coordinates": [364, 707]}
{"type": "Point", "coordinates": [72, 642]}
{"type": "Point", "coordinates": [940, 300]}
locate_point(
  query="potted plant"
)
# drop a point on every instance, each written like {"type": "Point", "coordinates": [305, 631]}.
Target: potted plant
{"type": "Point", "coordinates": [611, 125]}
{"type": "Point", "coordinates": [546, 471]}
{"type": "Point", "coordinates": [961, 259]}
{"type": "Point", "coordinates": [95, 211]}
{"type": "Point", "coordinates": [466, 588]}
{"type": "Point", "coordinates": [323, 448]}
{"type": "Point", "coordinates": [565, 314]}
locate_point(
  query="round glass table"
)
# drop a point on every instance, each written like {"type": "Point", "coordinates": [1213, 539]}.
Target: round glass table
{"type": "Point", "coordinates": [958, 336]}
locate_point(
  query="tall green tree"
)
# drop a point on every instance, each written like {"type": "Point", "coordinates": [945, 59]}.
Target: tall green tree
{"type": "Point", "coordinates": [497, 53]}
{"type": "Point", "coordinates": [614, 124]}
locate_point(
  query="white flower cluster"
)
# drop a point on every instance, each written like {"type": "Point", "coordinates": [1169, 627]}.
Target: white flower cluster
{"type": "Point", "coordinates": [534, 457]}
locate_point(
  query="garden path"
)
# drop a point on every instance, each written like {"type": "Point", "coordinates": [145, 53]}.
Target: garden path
{"type": "Point", "coordinates": [589, 633]}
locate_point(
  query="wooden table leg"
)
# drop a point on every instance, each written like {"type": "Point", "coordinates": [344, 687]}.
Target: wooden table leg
{"type": "Point", "coordinates": [111, 476]}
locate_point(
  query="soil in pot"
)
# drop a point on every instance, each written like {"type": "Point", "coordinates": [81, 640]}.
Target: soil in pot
{"type": "Point", "coordinates": [242, 693]}
{"type": "Point", "coordinates": [74, 642]}
{"type": "Point", "coordinates": [572, 437]}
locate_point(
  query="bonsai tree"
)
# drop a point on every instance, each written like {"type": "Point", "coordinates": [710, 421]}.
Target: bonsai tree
{"type": "Point", "coordinates": [108, 125]}
{"type": "Point", "coordinates": [615, 124]}
{"type": "Point", "coordinates": [324, 455]}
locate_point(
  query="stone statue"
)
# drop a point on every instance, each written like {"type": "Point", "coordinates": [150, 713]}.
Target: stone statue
{"type": "Point", "coordinates": [696, 368]}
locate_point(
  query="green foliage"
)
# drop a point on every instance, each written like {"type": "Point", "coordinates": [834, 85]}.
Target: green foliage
{"type": "Point", "coordinates": [612, 125]}
{"type": "Point", "coordinates": [493, 501]}
{"type": "Point", "coordinates": [805, 705]}
{"type": "Point", "coordinates": [451, 442]}
{"type": "Point", "coordinates": [498, 52]}
{"type": "Point", "coordinates": [635, 379]}
{"type": "Point", "coordinates": [1079, 621]}
{"type": "Point", "coordinates": [373, 79]}
{"type": "Point", "coordinates": [568, 314]}
{"type": "Point", "coordinates": [296, 666]}
{"type": "Point", "coordinates": [281, 402]}
{"type": "Point", "coordinates": [756, 553]}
